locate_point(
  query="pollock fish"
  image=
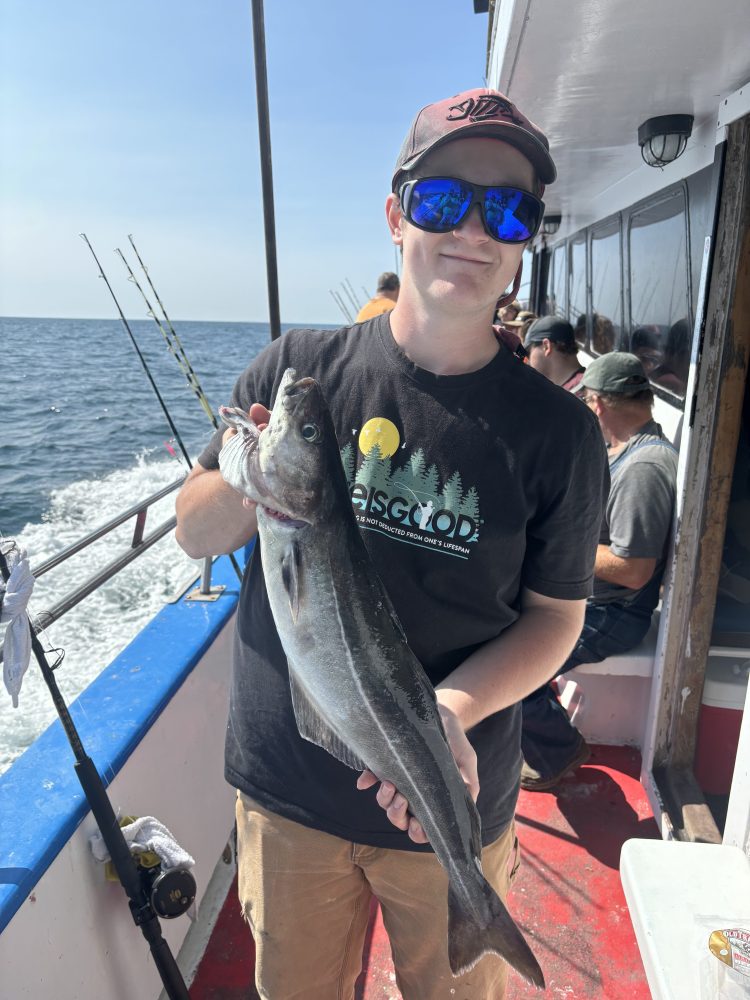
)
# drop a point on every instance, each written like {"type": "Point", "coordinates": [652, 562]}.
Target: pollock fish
{"type": "Point", "coordinates": [357, 689]}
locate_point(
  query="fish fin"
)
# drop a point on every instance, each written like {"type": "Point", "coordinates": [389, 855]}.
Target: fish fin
{"type": "Point", "coordinates": [314, 728]}
{"type": "Point", "coordinates": [291, 565]}
{"type": "Point", "coordinates": [469, 940]}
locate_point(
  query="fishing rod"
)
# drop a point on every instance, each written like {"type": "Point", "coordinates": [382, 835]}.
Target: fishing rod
{"type": "Point", "coordinates": [175, 344]}
{"type": "Point", "coordinates": [150, 377]}
{"type": "Point", "coordinates": [350, 297]}
{"type": "Point", "coordinates": [147, 370]}
{"type": "Point", "coordinates": [340, 303]}
{"type": "Point", "coordinates": [354, 294]}
{"type": "Point", "coordinates": [143, 902]}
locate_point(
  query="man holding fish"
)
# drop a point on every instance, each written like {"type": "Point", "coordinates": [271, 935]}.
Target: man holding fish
{"type": "Point", "coordinates": [428, 510]}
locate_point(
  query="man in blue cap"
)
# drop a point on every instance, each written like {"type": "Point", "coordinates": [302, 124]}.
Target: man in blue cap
{"type": "Point", "coordinates": [630, 557]}
{"type": "Point", "coordinates": [551, 347]}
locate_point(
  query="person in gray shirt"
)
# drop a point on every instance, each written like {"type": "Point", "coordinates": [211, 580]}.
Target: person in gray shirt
{"type": "Point", "coordinates": [630, 557]}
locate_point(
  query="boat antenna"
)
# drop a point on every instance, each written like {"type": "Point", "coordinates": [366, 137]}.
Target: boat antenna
{"type": "Point", "coordinates": [173, 342]}
{"type": "Point", "coordinates": [154, 386]}
{"type": "Point", "coordinates": [147, 370]}
{"type": "Point", "coordinates": [266, 171]}
{"type": "Point", "coordinates": [141, 906]}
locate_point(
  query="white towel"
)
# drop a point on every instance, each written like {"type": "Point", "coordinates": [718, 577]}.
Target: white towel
{"type": "Point", "coordinates": [14, 598]}
{"type": "Point", "coordinates": [146, 834]}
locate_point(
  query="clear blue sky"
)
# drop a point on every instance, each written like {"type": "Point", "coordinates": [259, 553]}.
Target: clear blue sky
{"type": "Point", "coordinates": [140, 117]}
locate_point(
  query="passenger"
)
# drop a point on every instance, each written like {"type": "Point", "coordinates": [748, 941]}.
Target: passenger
{"type": "Point", "coordinates": [602, 334]}
{"type": "Point", "coordinates": [522, 322]}
{"type": "Point", "coordinates": [490, 610]}
{"type": "Point", "coordinates": [672, 373]}
{"type": "Point", "coordinates": [645, 343]}
{"type": "Point", "coordinates": [630, 557]}
{"type": "Point", "coordinates": [386, 297]}
{"type": "Point", "coordinates": [505, 314]}
{"type": "Point", "coordinates": [551, 348]}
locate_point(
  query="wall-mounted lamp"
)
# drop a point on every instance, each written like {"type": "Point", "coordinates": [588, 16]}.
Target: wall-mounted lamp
{"type": "Point", "coordinates": [550, 224]}
{"type": "Point", "coordinates": [663, 139]}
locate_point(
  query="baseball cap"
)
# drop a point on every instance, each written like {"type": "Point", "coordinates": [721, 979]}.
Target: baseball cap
{"type": "Point", "coordinates": [474, 113]}
{"type": "Point", "coordinates": [521, 319]}
{"type": "Point", "coordinates": [553, 328]}
{"type": "Point", "coordinates": [618, 373]}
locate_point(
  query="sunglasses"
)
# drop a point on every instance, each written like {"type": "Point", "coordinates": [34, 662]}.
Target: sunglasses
{"type": "Point", "coordinates": [440, 204]}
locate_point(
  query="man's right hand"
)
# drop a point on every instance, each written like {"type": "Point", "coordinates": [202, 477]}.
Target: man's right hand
{"type": "Point", "coordinates": [212, 517]}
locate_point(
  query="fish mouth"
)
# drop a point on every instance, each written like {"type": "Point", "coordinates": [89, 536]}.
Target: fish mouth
{"type": "Point", "coordinates": [282, 518]}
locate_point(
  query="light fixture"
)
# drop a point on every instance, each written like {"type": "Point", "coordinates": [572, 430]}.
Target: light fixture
{"type": "Point", "coordinates": [550, 224]}
{"type": "Point", "coordinates": [663, 139]}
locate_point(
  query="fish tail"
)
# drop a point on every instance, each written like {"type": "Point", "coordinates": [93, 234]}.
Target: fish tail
{"type": "Point", "coordinates": [470, 937]}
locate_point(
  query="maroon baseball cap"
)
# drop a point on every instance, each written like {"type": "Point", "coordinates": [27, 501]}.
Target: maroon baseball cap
{"type": "Point", "coordinates": [475, 113]}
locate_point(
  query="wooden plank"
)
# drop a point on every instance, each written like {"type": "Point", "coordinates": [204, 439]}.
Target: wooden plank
{"type": "Point", "coordinates": [690, 816]}
{"type": "Point", "coordinates": [691, 595]}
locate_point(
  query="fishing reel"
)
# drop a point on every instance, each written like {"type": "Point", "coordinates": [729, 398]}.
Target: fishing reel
{"type": "Point", "coordinates": [171, 893]}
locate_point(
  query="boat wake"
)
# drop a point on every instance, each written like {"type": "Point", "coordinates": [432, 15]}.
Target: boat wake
{"type": "Point", "coordinates": [96, 630]}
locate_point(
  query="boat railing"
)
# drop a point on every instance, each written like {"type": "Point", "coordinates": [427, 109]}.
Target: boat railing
{"type": "Point", "coordinates": [139, 543]}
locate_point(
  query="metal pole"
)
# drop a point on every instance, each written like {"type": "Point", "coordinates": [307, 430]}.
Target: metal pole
{"type": "Point", "coordinates": [266, 173]}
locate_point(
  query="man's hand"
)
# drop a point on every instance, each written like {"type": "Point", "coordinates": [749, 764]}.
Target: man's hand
{"type": "Point", "coordinates": [260, 416]}
{"type": "Point", "coordinates": [395, 804]}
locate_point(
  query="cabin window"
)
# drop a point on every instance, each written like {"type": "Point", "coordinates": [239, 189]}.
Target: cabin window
{"type": "Point", "coordinates": [659, 308]}
{"type": "Point", "coordinates": [557, 275]}
{"type": "Point", "coordinates": [606, 297]}
{"type": "Point", "coordinates": [577, 299]}
{"type": "Point", "coordinates": [524, 289]}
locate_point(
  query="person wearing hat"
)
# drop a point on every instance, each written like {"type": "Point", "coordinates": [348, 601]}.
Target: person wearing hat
{"type": "Point", "coordinates": [386, 297]}
{"type": "Point", "coordinates": [630, 557]}
{"type": "Point", "coordinates": [478, 488]}
{"type": "Point", "coordinates": [507, 313]}
{"type": "Point", "coordinates": [552, 350]}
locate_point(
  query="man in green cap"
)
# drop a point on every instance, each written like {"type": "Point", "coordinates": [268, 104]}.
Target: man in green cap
{"type": "Point", "coordinates": [630, 556]}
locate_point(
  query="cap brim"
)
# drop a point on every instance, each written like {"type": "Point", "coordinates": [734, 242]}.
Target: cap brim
{"type": "Point", "coordinates": [532, 148]}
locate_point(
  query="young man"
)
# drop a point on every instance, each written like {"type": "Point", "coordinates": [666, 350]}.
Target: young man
{"type": "Point", "coordinates": [386, 297]}
{"type": "Point", "coordinates": [551, 348]}
{"type": "Point", "coordinates": [499, 478]}
{"type": "Point", "coordinates": [630, 557]}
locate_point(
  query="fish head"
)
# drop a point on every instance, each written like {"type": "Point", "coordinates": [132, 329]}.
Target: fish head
{"type": "Point", "coordinates": [291, 468]}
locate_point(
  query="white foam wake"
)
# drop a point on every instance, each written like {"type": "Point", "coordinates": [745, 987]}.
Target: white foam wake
{"type": "Point", "coordinates": [96, 630]}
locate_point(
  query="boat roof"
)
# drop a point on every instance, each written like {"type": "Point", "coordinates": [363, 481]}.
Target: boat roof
{"type": "Point", "coordinates": [590, 73]}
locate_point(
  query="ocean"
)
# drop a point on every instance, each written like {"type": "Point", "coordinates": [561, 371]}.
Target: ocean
{"type": "Point", "coordinates": [82, 438]}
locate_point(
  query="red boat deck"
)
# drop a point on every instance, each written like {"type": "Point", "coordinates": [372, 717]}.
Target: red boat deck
{"type": "Point", "coordinates": [567, 897]}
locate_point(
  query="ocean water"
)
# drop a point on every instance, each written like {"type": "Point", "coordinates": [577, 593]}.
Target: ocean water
{"type": "Point", "coordinates": [83, 437]}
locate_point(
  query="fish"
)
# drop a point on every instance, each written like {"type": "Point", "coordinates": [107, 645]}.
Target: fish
{"type": "Point", "coordinates": [357, 688]}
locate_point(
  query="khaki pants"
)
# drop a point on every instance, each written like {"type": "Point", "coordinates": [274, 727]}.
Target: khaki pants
{"type": "Point", "coordinates": [306, 896]}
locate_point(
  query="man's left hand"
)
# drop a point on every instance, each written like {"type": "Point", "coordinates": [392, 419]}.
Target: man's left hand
{"type": "Point", "coordinates": [397, 806]}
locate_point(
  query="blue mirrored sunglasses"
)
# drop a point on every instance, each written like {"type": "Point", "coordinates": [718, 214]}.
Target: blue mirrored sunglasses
{"type": "Point", "coordinates": [440, 204]}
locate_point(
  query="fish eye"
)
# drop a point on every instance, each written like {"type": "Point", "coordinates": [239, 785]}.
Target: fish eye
{"type": "Point", "coordinates": [310, 432]}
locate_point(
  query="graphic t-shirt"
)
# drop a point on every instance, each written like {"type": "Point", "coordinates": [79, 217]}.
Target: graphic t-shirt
{"type": "Point", "coordinates": [466, 488]}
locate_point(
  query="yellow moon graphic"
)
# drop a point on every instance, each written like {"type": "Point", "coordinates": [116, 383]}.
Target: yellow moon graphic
{"type": "Point", "coordinates": [381, 434]}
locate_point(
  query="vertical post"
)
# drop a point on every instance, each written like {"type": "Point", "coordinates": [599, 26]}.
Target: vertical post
{"type": "Point", "coordinates": [206, 575]}
{"type": "Point", "coordinates": [266, 173]}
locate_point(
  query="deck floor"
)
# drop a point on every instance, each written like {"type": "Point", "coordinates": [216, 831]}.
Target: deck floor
{"type": "Point", "coordinates": [567, 897]}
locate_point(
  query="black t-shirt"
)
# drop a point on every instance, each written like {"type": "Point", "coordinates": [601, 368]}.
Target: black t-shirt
{"type": "Point", "coordinates": [467, 488]}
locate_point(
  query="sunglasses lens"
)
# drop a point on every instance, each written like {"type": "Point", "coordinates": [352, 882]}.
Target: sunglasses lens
{"type": "Point", "coordinates": [511, 216]}
{"type": "Point", "coordinates": [439, 203]}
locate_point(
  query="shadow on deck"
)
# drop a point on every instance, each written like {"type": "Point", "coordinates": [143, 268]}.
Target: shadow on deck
{"type": "Point", "coordinates": [567, 897]}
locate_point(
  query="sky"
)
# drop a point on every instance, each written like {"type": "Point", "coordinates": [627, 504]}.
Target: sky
{"type": "Point", "coordinates": [140, 117]}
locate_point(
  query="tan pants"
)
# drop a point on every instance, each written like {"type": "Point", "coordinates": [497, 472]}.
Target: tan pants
{"type": "Point", "coordinates": [306, 896]}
